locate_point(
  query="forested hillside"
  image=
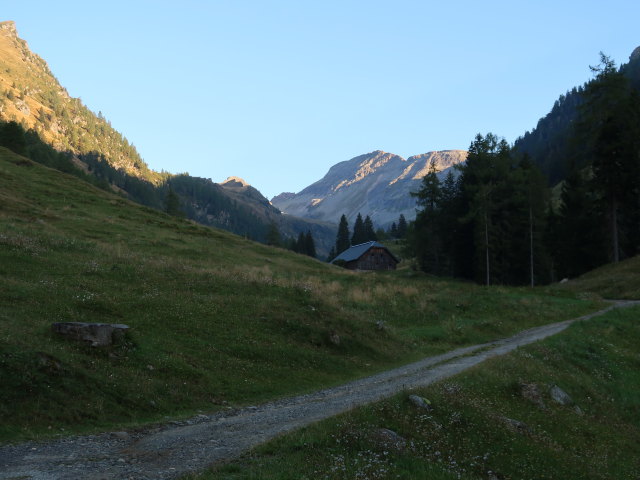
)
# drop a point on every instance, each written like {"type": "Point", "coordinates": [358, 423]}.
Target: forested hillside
{"type": "Point", "coordinates": [550, 144]}
{"type": "Point", "coordinates": [497, 222]}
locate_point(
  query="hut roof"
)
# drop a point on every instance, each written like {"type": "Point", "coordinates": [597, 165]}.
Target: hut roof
{"type": "Point", "coordinates": [356, 251]}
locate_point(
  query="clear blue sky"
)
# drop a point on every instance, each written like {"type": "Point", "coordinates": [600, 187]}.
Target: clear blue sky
{"type": "Point", "coordinates": [278, 91]}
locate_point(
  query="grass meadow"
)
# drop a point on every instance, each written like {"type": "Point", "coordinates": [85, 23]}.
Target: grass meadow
{"type": "Point", "coordinates": [216, 320]}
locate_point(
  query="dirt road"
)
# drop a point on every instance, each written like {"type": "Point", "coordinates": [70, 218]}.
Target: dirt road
{"type": "Point", "coordinates": [181, 447]}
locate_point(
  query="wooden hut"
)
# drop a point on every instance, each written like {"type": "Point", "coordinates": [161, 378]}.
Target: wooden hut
{"type": "Point", "coordinates": [367, 256]}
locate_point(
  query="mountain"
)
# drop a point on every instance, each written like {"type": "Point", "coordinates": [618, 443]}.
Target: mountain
{"type": "Point", "coordinates": [61, 132]}
{"type": "Point", "coordinates": [375, 184]}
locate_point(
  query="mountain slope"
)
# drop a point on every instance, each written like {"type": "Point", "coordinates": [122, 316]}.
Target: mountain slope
{"type": "Point", "coordinates": [215, 319]}
{"type": "Point", "coordinates": [375, 184]}
{"type": "Point", "coordinates": [31, 96]}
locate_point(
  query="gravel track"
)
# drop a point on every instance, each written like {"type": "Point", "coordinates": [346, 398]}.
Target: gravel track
{"type": "Point", "coordinates": [178, 448]}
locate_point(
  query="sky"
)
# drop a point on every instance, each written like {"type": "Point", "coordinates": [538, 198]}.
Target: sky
{"type": "Point", "coordinates": [276, 92]}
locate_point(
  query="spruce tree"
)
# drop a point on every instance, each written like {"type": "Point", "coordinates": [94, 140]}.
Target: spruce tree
{"type": "Point", "coordinates": [172, 204]}
{"type": "Point", "coordinates": [342, 239]}
{"type": "Point", "coordinates": [402, 226]}
{"type": "Point", "coordinates": [273, 235]}
{"type": "Point", "coordinates": [359, 234]}
{"type": "Point", "coordinates": [310, 245]}
{"type": "Point", "coordinates": [369, 232]}
{"type": "Point", "coordinates": [301, 244]}
{"type": "Point", "coordinates": [609, 127]}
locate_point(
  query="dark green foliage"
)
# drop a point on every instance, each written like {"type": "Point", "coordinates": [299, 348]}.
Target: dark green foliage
{"type": "Point", "coordinates": [609, 129]}
{"type": "Point", "coordinates": [402, 226]}
{"type": "Point", "coordinates": [359, 233]}
{"type": "Point", "coordinates": [273, 235]}
{"type": "Point", "coordinates": [12, 136]}
{"type": "Point", "coordinates": [309, 245]}
{"type": "Point", "coordinates": [342, 239]}
{"type": "Point", "coordinates": [304, 244]}
{"type": "Point", "coordinates": [393, 230]}
{"type": "Point", "coordinates": [487, 226]}
{"type": "Point", "coordinates": [172, 204]}
{"type": "Point", "coordinates": [578, 234]}
{"type": "Point", "coordinates": [426, 236]}
{"type": "Point", "coordinates": [369, 232]}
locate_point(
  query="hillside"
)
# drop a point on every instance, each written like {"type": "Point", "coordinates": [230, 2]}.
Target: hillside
{"type": "Point", "coordinates": [377, 184]}
{"type": "Point", "coordinates": [549, 144]}
{"type": "Point", "coordinates": [31, 96]}
{"type": "Point", "coordinates": [216, 320]}
{"type": "Point", "coordinates": [562, 408]}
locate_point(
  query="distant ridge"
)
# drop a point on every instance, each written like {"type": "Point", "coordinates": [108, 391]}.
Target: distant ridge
{"type": "Point", "coordinates": [377, 184]}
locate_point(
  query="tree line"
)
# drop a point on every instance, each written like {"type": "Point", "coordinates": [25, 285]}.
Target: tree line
{"type": "Point", "coordinates": [498, 222]}
{"type": "Point", "coordinates": [363, 231]}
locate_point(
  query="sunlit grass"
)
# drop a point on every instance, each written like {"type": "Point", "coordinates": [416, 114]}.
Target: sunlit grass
{"type": "Point", "coordinates": [216, 320]}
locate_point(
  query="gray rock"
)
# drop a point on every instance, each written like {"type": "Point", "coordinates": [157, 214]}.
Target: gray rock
{"type": "Point", "coordinates": [420, 402]}
{"type": "Point", "coordinates": [560, 396]}
{"type": "Point", "coordinates": [95, 334]}
{"type": "Point", "coordinates": [121, 435]}
{"type": "Point", "coordinates": [516, 425]}
{"type": "Point", "coordinates": [334, 338]}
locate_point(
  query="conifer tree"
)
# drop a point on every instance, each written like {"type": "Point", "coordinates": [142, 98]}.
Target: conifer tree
{"type": "Point", "coordinates": [609, 127]}
{"type": "Point", "coordinates": [342, 239]}
{"type": "Point", "coordinates": [359, 234]}
{"type": "Point", "coordinates": [310, 245]}
{"type": "Point", "coordinates": [172, 204]}
{"type": "Point", "coordinates": [301, 244]}
{"type": "Point", "coordinates": [402, 226]}
{"type": "Point", "coordinates": [369, 232]}
{"type": "Point", "coordinates": [273, 235]}
{"type": "Point", "coordinates": [393, 231]}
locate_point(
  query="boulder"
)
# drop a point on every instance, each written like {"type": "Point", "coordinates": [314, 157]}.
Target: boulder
{"type": "Point", "coordinates": [94, 334]}
{"type": "Point", "coordinates": [560, 396]}
{"type": "Point", "coordinates": [517, 425]}
{"type": "Point", "coordinates": [420, 402]}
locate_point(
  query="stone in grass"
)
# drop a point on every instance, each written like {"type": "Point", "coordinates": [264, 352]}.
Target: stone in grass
{"type": "Point", "coordinates": [420, 402]}
{"type": "Point", "coordinates": [517, 425]}
{"type": "Point", "coordinates": [388, 440]}
{"type": "Point", "coordinates": [560, 396]}
{"type": "Point", "coordinates": [94, 334]}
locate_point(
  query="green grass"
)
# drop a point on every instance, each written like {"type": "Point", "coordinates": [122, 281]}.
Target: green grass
{"type": "Point", "coordinates": [216, 320]}
{"type": "Point", "coordinates": [467, 434]}
{"type": "Point", "coordinates": [621, 281]}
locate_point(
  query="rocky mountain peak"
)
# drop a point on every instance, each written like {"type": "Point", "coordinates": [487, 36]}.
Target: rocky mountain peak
{"type": "Point", "coordinates": [236, 182]}
{"type": "Point", "coordinates": [9, 26]}
{"type": "Point", "coordinates": [635, 55]}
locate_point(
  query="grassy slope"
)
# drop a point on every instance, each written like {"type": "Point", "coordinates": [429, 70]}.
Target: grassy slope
{"type": "Point", "coordinates": [621, 281]}
{"type": "Point", "coordinates": [467, 435]}
{"type": "Point", "coordinates": [216, 319]}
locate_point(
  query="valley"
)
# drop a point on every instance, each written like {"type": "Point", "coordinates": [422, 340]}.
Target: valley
{"type": "Point", "coordinates": [504, 346]}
